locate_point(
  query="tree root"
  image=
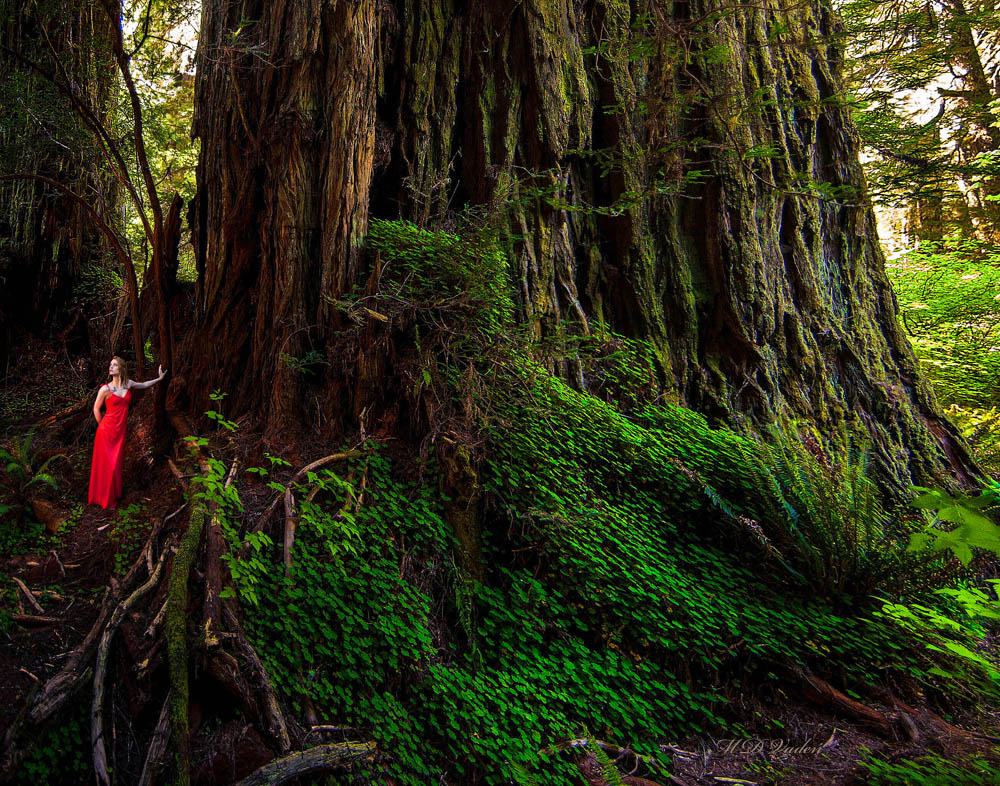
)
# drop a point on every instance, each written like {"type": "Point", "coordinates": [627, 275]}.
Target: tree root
{"type": "Point", "coordinates": [317, 759]}
{"type": "Point", "coordinates": [162, 616]}
{"type": "Point", "coordinates": [100, 669]}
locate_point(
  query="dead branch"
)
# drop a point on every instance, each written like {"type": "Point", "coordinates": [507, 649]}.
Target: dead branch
{"type": "Point", "coordinates": [317, 759]}
{"type": "Point", "coordinates": [80, 406]}
{"type": "Point", "coordinates": [28, 596]}
{"type": "Point", "coordinates": [100, 668]}
{"type": "Point", "coordinates": [33, 619]}
{"type": "Point", "coordinates": [298, 476]}
{"type": "Point", "coordinates": [157, 746]}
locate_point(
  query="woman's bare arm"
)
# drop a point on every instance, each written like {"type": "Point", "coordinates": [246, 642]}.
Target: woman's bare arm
{"type": "Point", "coordinates": [101, 395]}
{"type": "Point", "coordinates": [143, 385]}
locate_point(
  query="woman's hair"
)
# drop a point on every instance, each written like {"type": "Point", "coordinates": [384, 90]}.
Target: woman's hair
{"type": "Point", "coordinates": [122, 370]}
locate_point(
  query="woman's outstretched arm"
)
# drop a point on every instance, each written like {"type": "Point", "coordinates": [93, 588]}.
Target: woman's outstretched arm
{"type": "Point", "coordinates": [143, 385]}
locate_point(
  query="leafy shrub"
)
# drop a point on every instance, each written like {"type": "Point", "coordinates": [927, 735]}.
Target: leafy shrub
{"type": "Point", "coordinates": [24, 473]}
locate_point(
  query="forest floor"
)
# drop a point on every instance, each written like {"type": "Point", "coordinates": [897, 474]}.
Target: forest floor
{"type": "Point", "coordinates": [68, 571]}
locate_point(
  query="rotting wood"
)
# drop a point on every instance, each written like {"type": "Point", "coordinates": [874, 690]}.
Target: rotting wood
{"type": "Point", "coordinates": [322, 757]}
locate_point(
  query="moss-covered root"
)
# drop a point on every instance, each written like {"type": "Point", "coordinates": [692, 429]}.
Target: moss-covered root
{"type": "Point", "coordinates": [317, 759]}
{"type": "Point", "coordinates": [177, 653]}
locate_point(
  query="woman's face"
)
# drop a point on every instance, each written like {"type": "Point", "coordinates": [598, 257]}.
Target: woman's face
{"type": "Point", "coordinates": [113, 368]}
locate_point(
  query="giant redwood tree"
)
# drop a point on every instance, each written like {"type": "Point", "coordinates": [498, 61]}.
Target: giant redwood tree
{"type": "Point", "coordinates": [684, 173]}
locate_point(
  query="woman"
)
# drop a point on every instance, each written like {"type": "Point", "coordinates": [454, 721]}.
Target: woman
{"type": "Point", "coordinates": [109, 443]}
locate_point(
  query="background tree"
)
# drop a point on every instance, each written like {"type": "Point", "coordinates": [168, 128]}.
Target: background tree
{"type": "Point", "coordinates": [51, 248]}
{"type": "Point", "coordinates": [925, 77]}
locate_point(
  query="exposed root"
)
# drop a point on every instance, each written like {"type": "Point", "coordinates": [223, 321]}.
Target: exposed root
{"type": "Point", "coordinates": [825, 695]}
{"type": "Point", "coordinates": [157, 746]}
{"type": "Point", "coordinates": [100, 669]}
{"type": "Point", "coordinates": [322, 757]}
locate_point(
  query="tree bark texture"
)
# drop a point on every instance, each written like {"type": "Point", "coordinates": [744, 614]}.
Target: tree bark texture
{"type": "Point", "coordinates": [683, 173]}
{"type": "Point", "coordinates": [285, 107]}
{"type": "Point", "coordinates": [46, 238]}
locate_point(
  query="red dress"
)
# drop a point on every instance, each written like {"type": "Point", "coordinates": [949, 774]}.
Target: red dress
{"type": "Point", "coordinates": [109, 447]}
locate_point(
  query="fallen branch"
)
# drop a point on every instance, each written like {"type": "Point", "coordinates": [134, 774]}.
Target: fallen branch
{"type": "Point", "coordinates": [298, 476]}
{"type": "Point", "coordinates": [28, 595]}
{"type": "Point", "coordinates": [100, 668]}
{"type": "Point", "coordinates": [80, 406]}
{"type": "Point", "coordinates": [33, 619]}
{"type": "Point", "coordinates": [317, 759]}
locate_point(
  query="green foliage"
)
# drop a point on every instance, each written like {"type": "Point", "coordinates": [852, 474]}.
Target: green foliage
{"type": "Point", "coordinates": [463, 275]}
{"type": "Point", "coordinates": [63, 754]}
{"type": "Point", "coordinates": [128, 532]}
{"type": "Point", "coordinates": [973, 527]}
{"type": "Point", "coordinates": [309, 364]}
{"type": "Point", "coordinates": [825, 515]}
{"type": "Point", "coordinates": [24, 473]}
{"type": "Point", "coordinates": [930, 770]}
{"type": "Point", "coordinates": [981, 429]}
{"type": "Point", "coordinates": [948, 305]}
{"type": "Point", "coordinates": [24, 468]}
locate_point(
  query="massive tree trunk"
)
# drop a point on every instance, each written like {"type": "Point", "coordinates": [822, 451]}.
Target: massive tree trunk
{"type": "Point", "coordinates": [47, 237]}
{"type": "Point", "coordinates": [678, 172]}
{"type": "Point", "coordinates": [285, 101]}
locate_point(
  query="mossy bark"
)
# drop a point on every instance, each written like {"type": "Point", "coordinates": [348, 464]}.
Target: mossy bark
{"type": "Point", "coordinates": [684, 173]}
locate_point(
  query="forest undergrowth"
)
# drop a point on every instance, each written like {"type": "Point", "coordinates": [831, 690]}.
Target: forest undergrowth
{"type": "Point", "coordinates": [560, 581]}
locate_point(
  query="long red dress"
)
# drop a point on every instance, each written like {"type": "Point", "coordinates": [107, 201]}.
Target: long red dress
{"type": "Point", "coordinates": [109, 447]}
